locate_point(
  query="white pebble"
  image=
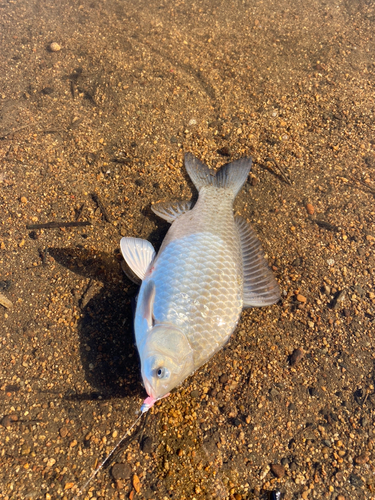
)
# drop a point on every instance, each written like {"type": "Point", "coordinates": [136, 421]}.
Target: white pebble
{"type": "Point", "coordinates": [330, 262]}
{"type": "Point", "coordinates": [54, 47]}
{"type": "Point", "coordinates": [192, 122]}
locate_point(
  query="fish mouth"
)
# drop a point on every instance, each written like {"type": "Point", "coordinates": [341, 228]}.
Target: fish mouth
{"type": "Point", "coordinates": [149, 390]}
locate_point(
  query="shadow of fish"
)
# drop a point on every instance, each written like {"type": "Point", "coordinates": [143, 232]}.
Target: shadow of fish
{"type": "Point", "coordinates": [210, 266]}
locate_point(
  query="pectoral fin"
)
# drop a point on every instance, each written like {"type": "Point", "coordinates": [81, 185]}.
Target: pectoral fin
{"type": "Point", "coordinates": [138, 255]}
{"type": "Point", "coordinates": [260, 286]}
{"type": "Point", "coordinates": [171, 211]}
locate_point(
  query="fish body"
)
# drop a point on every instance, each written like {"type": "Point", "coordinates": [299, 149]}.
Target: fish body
{"type": "Point", "coordinates": [209, 267]}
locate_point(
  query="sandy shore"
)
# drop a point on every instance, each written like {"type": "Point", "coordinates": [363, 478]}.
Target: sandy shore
{"type": "Point", "coordinates": [99, 101]}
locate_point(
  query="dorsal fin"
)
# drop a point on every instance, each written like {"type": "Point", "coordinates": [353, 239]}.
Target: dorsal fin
{"type": "Point", "coordinates": [260, 286]}
{"type": "Point", "coordinates": [170, 211]}
{"type": "Point", "coordinates": [138, 255]}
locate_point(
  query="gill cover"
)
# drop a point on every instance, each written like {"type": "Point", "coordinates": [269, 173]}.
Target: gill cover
{"type": "Point", "coordinates": [166, 359]}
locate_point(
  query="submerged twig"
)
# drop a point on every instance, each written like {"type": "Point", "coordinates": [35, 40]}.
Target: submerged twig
{"type": "Point", "coordinates": [56, 224]}
{"type": "Point", "coordinates": [102, 208]}
{"type": "Point", "coordinates": [283, 174]}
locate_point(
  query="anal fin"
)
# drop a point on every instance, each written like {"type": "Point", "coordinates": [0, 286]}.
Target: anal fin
{"type": "Point", "coordinates": [260, 286]}
{"type": "Point", "coordinates": [170, 211]}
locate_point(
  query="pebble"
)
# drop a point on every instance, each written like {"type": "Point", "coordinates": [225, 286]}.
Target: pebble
{"type": "Point", "coordinates": [310, 209]}
{"type": "Point", "coordinates": [195, 394]}
{"type": "Point", "coordinates": [63, 432]}
{"type": "Point", "coordinates": [146, 445]}
{"type": "Point", "coordinates": [4, 301]}
{"type": "Point", "coordinates": [23, 199]}
{"type": "Point", "coordinates": [225, 151]}
{"type": "Point", "coordinates": [361, 459]}
{"type": "Point", "coordinates": [224, 378]}
{"type": "Point", "coordinates": [54, 47]}
{"type": "Point", "coordinates": [278, 470]}
{"type": "Point", "coordinates": [264, 471]}
{"type": "Point", "coordinates": [301, 298]}
{"type": "Point", "coordinates": [296, 356]}
{"type": "Point", "coordinates": [121, 471]}
{"type": "Point", "coordinates": [136, 483]}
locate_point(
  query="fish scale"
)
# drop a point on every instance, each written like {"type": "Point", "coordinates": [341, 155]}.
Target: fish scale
{"type": "Point", "coordinates": [209, 267]}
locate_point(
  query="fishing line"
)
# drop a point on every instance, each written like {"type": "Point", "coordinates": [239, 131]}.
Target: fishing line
{"type": "Point", "coordinates": [144, 409]}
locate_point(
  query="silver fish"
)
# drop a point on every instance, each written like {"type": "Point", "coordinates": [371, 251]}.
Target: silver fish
{"type": "Point", "coordinates": [209, 267]}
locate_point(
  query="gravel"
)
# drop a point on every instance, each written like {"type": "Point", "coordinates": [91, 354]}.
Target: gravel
{"type": "Point", "coordinates": [94, 133]}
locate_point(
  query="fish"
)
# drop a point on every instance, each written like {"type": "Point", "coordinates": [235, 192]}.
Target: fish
{"type": "Point", "coordinates": [210, 266]}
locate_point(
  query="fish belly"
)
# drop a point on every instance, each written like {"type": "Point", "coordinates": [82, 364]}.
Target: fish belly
{"type": "Point", "coordinates": [199, 287]}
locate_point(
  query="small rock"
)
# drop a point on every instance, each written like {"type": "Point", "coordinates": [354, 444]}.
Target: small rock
{"type": "Point", "coordinates": [54, 47]}
{"type": "Point", "coordinates": [278, 470]}
{"type": "Point", "coordinates": [301, 298]}
{"type": "Point", "coordinates": [119, 484]}
{"type": "Point", "coordinates": [264, 471]}
{"type": "Point", "coordinates": [361, 459]}
{"type": "Point", "coordinates": [310, 209]}
{"type": "Point", "coordinates": [195, 394]}
{"type": "Point", "coordinates": [146, 445]}
{"type": "Point", "coordinates": [293, 466]}
{"type": "Point", "coordinates": [23, 199]}
{"type": "Point", "coordinates": [121, 471]}
{"type": "Point", "coordinates": [63, 432]}
{"type": "Point", "coordinates": [8, 420]}
{"type": "Point", "coordinates": [296, 356]}
{"type": "Point", "coordinates": [224, 151]}
{"type": "Point", "coordinates": [340, 497]}
{"type": "Point", "coordinates": [68, 486]}
{"type": "Point", "coordinates": [224, 378]}
{"type": "Point", "coordinates": [25, 450]}
{"type": "Point", "coordinates": [355, 480]}
{"type": "Point", "coordinates": [51, 462]}
{"type": "Point", "coordinates": [4, 301]}
{"type": "Point", "coordinates": [136, 483]}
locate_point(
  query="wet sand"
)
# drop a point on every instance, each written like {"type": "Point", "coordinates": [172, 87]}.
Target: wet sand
{"type": "Point", "coordinates": [93, 128]}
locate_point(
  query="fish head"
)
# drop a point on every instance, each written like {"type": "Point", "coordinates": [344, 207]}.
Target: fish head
{"type": "Point", "coordinates": [166, 359]}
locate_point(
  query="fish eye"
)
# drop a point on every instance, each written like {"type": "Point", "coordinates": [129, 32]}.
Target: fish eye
{"type": "Point", "coordinates": [162, 372]}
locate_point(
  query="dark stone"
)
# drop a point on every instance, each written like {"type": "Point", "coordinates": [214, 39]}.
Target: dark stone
{"type": "Point", "coordinates": [147, 445]}
{"type": "Point", "coordinates": [355, 480]}
{"type": "Point", "coordinates": [174, 140]}
{"type": "Point", "coordinates": [296, 356]}
{"type": "Point", "coordinates": [224, 151]}
{"type": "Point", "coordinates": [5, 285]}
{"type": "Point", "coordinates": [195, 394]}
{"type": "Point", "coordinates": [293, 466]}
{"type": "Point", "coordinates": [223, 379]}
{"type": "Point", "coordinates": [278, 470]}
{"type": "Point", "coordinates": [33, 235]}
{"type": "Point", "coordinates": [121, 471]}
{"type": "Point", "coordinates": [47, 91]}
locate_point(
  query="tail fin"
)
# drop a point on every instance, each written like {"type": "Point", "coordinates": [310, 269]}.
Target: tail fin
{"type": "Point", "coordinates": [231, 176]}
